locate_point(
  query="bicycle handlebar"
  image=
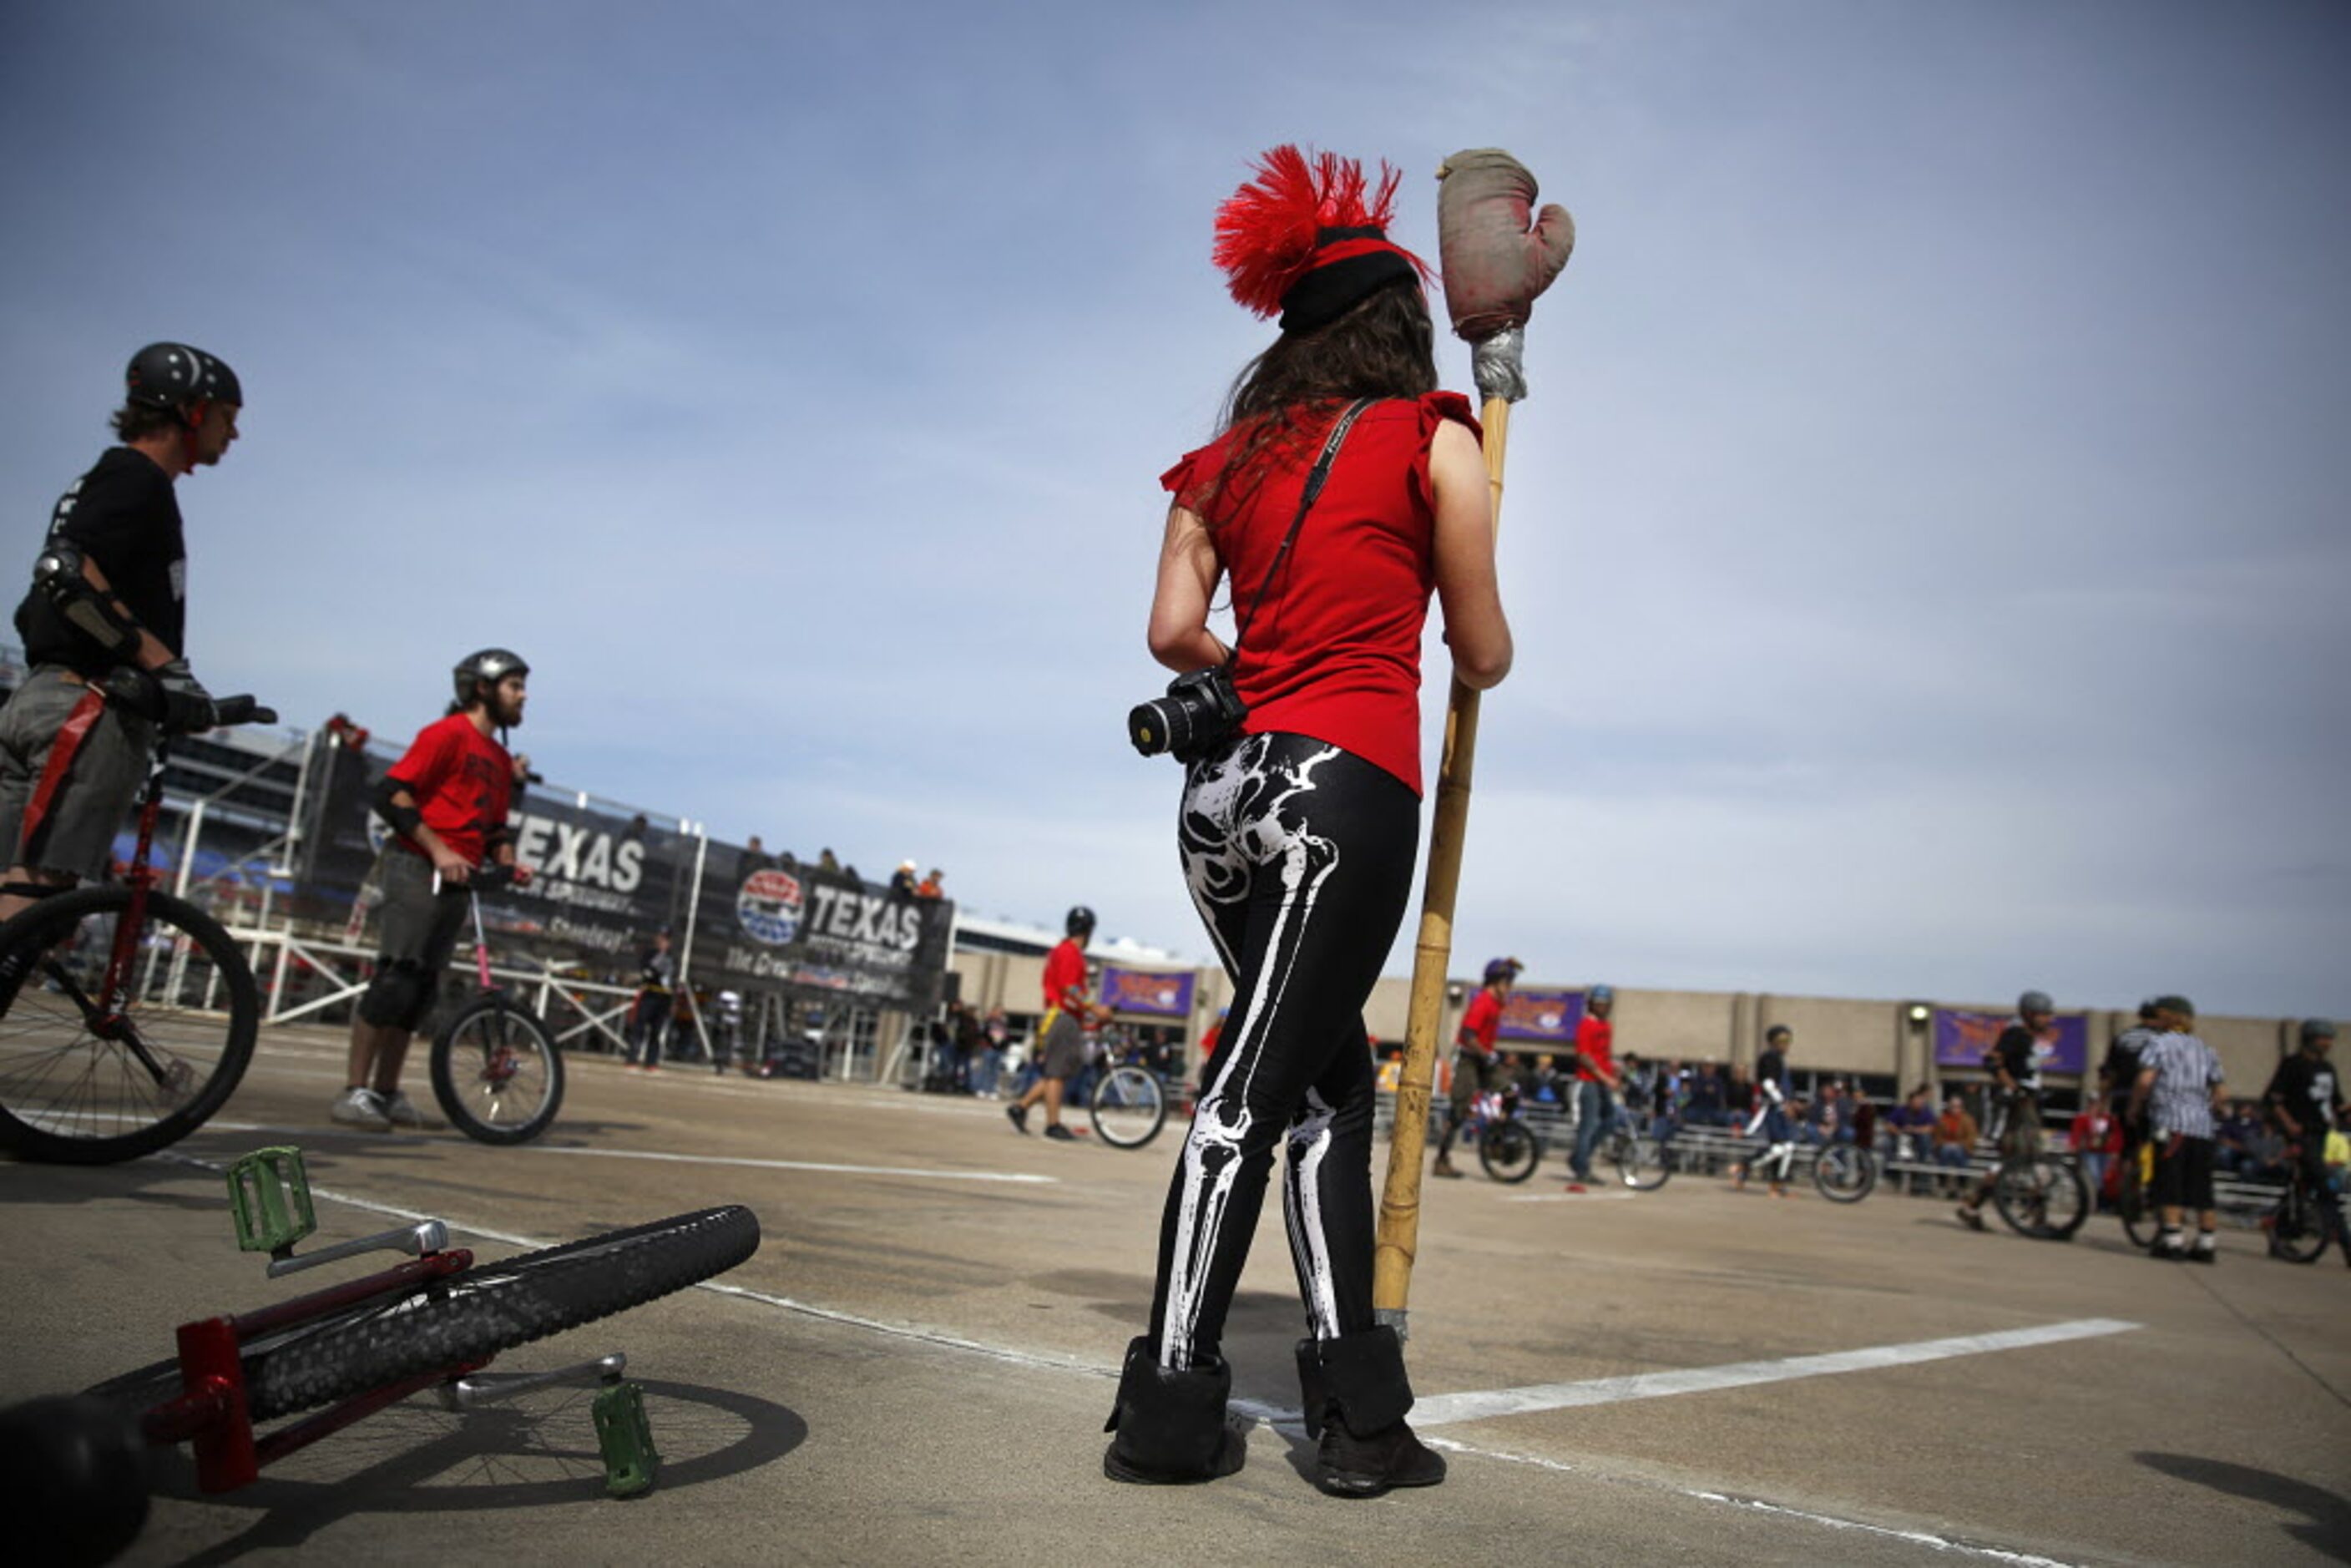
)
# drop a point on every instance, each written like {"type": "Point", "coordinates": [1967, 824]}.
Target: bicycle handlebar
{"type": "Point", "coordinates": [242, 710]}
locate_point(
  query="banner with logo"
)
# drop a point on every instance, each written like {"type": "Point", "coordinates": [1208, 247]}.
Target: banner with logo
{"type": "Point", "coordinates": [766, 924]}
{"type": "Point", "coordinates": [1147, 991]}
{"type": "Point", "coordinates": [1964, 1039]}
{"type": "Point", "coordinates": [602, 882]}
{"type": "Point", "coordinates": [1545, 1016]}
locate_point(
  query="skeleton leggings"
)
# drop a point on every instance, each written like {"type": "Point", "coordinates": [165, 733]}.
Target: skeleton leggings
{"type": "Point", "coordinates": [1299, 856]}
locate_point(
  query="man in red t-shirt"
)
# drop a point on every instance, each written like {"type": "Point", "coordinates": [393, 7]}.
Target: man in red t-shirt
{"type": "Point", "coordinates": [1475, 1066]}
{"type": "Point", "coordinates": [1061, 1034]}
{"type": "Point", "coordinates": [1595, 1078]}
{"type": "Point", "coordinates": [447, 801]}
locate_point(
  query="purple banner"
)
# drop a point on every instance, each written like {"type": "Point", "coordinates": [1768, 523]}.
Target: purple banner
{"type": "Point", "coordinates": [1550, 1017]}
{"type": "Point", "coordinates": [1964, 1039]}
{"type": "Point", "coordinates": [1146, 991]}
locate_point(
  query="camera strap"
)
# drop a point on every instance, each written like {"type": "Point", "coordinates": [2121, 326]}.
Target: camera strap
{"type": "Point", "coordinates": [1313, 487]}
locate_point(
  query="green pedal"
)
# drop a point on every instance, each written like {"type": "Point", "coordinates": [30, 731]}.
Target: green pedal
{"type": "Point", "coordinates": [269, 1194]}
{"type": "Point", "coordinates": [626, 1438]}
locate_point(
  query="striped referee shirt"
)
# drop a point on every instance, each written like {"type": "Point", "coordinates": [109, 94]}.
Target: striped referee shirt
{"type": "Point", "coordinates": [2185, 1071]}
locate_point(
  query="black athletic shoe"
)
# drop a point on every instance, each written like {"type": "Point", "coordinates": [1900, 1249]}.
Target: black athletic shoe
{"type": "Point", "coordinates": [1019, 1116]}
{"type": "Point", "coordinates": [1059, 1134]}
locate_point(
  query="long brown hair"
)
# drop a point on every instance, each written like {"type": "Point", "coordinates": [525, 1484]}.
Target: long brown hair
{"type": "Point", "coordinates": [1383, 348]}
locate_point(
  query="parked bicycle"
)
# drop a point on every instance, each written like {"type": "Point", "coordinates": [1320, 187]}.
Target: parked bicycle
{"type": "Point", "coordinates": [432, 1323]}
{"type": "Point", "coordinates": [496, 1068]}
{"type": "Point", "coordinates": [129, 1015]}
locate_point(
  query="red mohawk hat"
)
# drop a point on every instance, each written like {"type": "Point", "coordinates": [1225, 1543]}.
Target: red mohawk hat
{"type": "Point", "coordinates": [1309, 238]}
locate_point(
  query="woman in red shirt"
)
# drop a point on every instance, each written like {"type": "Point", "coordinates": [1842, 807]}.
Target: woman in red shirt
{"type": "Point", "coordinates": [1298, 834]}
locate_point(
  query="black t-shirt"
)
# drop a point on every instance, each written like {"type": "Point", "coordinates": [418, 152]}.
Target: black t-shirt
{"type": "Point", "coordinates": [2013, 1049]}
{"type": "Point", "coordinates": [2309, 1089]}
{"type": "Point", "coordinates": [1771, 1067]}
{"type": "Point", "coordinates": [2120, 1069]}
{"type": "Point", "coordinates": [124, 516]}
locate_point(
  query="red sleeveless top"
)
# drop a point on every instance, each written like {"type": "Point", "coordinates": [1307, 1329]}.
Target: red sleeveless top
{"type": "Point", "coordinates": [1334, 652]}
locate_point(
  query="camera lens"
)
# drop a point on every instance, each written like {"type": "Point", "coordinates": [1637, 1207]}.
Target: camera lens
{"type": "Point", "coordinates": [1153, 726]}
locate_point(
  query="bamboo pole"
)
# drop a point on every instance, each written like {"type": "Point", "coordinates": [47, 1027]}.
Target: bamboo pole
{"type": "Point", "coordinates": [1399, 1230]}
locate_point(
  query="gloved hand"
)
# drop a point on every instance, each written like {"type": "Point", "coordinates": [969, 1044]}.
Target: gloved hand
{"type": "Point", "coordinates": [170, 695]}
{"type": "Point", "coordinates": [1494, 263]}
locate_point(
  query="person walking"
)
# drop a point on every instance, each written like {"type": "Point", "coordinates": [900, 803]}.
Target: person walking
{"type": "Point", "coordinates": [104, 632]}
{"type": "Point", "coordinates": [1061, 1045]}
{"type": "Point", "coordinates": [1298, 827]}
{"type": "Point", "coordinates": [1475, 1068]}
{"type": "Point", "coordinates": [1595, 1080]}
{"type": "Point", "coordinates": [446, 801]}
{"type": "Point", "coordinates": [2180, 1088]}
{"type": "Point", "coordinates": [1778, 1148]}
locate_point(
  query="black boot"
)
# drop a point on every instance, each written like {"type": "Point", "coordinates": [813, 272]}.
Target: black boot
{"type": "Point", "coordinates": [1356, 1396]}
{"type": "Point", "coordinates": [1172, 1426]}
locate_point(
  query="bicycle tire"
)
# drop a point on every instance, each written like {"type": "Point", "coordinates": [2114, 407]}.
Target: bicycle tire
{"type": "Point", "coordinates": [471, 1316]}
{"type": "Point", "coordinates": [1642, 1162]}
{"type": "Point", "coordinates": [44, 1029]}
{"type": "Point", "coordinates": [1128, 1107]}
{"type": "Point", "coordinates": [1846, 1173]}
{"type": "Point", "coordinates": [2297, 1229]}
{"type": "Point", "coordinates": [2043, 1197]}
{"type": "Point", "coordinates": [496, 1072]}
{"type": "Point", "coordinates": [1511, 1152]}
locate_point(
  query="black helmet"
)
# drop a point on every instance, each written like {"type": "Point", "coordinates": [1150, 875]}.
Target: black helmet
{"type": "Point", "coordinates": [2318, 1029]}
{"type": "Point", "coordinates": [1081, 919]}
{"type": "Point", "coordinates": [2034, 1002]}
{"type": "Point", "coordinates": [174, 375]}
{"type": "Point", "coordinates": [491, 664]}
{"type": "Point", "coordinates": [1777, 1032]}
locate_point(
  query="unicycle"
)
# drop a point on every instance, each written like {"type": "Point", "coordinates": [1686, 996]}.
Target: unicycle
{"type": "Point", "coordinates": [496, 1068]}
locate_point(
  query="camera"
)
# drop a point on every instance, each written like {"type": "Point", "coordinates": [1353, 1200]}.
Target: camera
{"type": "Point", "coordinates": [1199, 713]}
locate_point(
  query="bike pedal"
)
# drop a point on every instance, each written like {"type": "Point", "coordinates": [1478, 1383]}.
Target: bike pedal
{"type": "Point", "coordinates": [626, 1441]}
{"type": "Point", "coordinates": [269, 1200]}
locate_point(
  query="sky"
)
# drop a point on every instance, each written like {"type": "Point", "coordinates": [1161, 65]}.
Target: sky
{"type": "Point", "coordinates": [1925, 534]}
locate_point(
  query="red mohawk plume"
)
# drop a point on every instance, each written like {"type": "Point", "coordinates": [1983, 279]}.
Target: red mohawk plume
{"type": "Point", "coordinates": [1269, 233]}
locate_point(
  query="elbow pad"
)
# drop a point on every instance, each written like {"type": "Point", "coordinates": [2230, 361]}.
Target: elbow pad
{"type": "Point", "coordinates": [57, 575]}
{"type": "Point", "coordinates": [1772, 1089]}
{"type": "Point", "coordinates": [404, 819]}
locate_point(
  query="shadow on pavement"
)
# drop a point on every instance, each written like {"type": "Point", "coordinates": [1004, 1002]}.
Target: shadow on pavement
{"type": "Point", "coordinates": [2329, 1527]}
{"type": "Point", "coordinates": [416, 1457]}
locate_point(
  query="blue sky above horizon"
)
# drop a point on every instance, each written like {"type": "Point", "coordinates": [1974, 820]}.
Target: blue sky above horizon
{"type": "Point", "coordinates": [1925, 539]}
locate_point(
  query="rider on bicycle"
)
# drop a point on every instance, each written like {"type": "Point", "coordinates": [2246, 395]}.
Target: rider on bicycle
{"type": "Point", "coordinates": [2304, 1101]}
{"type": "Point", "coordinates": [447, 801]}
{"type": "Point", "coordinates": [1475, 1068]}
{"type": "Point", "coordinates": [2015, 1066]}
{"type": "Point", "coordinates": [103, 628]}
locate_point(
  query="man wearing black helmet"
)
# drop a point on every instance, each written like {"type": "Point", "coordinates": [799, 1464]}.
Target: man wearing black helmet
{"type": "Point", "coordinates": [447, 801]}
{"type": "Point", "coordinates": [2015, 1063]}
{"type": "Point", "coordinates": [1061, 1034]}
{"type": "Point", "coordinates": [1475, 1068]}
{"type": "Point", "coordinates": [110, 593]}
{"type": "Point", "coordinates": [2304, 1101]}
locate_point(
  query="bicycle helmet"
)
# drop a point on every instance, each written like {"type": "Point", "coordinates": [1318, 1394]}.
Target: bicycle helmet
{"type": "Point", "coordinates": [174, 375]}
{"type": "Point", "coordinates": [1502, 969]}
{"type": "Point", "coordinates": [2147, 1010]}
{"type": "Point", "coordinates": [2035, 1002]}
{"type": "Point", "coordinates": [1080, 919]}
{"type": "Point", "coordinates": [2177, 1004]}
{"type": "Point", "coordinates": [2318, 1029]}
{"type": "Point", "coordinates": [1601, 994]}
{"type": "Point", "coordinates": [491, 666]}
{"type": "Point", "coordinates": [1777, 1032]}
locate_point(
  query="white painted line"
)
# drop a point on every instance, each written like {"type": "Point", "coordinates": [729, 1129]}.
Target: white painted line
{"type": "Point", "coordinates": [1569, 1196]}
{"type": "Point", "coordinates": [930, 1173]}
{"type": "Point", "coordinates": [1443, 1408]}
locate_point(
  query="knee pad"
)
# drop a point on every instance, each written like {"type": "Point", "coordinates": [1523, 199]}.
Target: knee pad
{"type": "Point", "coordinates": [397, 996]}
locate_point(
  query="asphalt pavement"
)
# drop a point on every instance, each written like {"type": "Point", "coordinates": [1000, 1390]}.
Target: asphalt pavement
{"type": "Point", "coordinates": [917, 1365]}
